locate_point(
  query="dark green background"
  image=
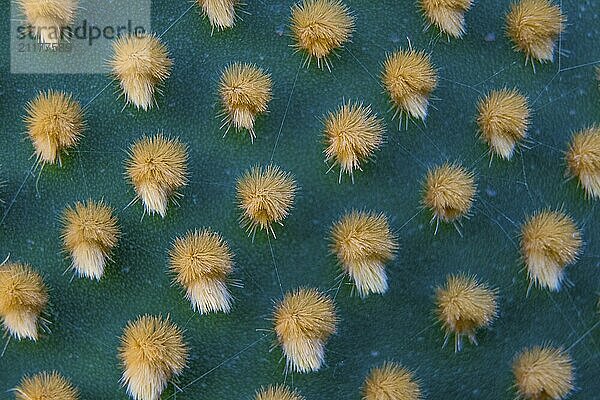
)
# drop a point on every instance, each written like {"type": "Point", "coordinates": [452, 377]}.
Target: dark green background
{"type": "Point", "coordinates": [230, 355]}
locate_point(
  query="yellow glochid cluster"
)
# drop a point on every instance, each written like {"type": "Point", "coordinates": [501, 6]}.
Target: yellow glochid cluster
{"type": "Point", "coordinates": [23, 300]}
{"type": "Point", "coordinates": [141, 64]}
{"type": "Point", "coordinates": [279, 392]}
{"type": "Point", "coordinates": [391, 381]}
{"type": "Point", "coordinates": [46, 386]}
{"type": "Point", "coordinates": [201, 262]}
{"type": "Point", "coordinates": [550, 241]}
{"type": "Point", "coordinates": [543, 372]}
{"type": "Point", "coordinates": [449, 192]}
{"type": "Point", "coordinates": [245, 92]}
{"type": "Point", "coordinates": [503, 121]}
{"type": "Point", "coordinates": [265, 197]}
{"type": "Point", "coordinates": [304, 319]}
{"type": "Point", "coordinates": [352, 134]}
{"type": "Point", "coordinates": [533, 26]}
{"type": "Point", "coordinates": [220, 13]}
{"type": "Point", "coordinates": [363, 243]}
{"type": "Point", "coordinates": [55, 124]}
{"type": "Point", "coordinates": [152, 352]}
{"type": "Point", "coordinates": [409, 78]}
{"type": "Point", "coordinates": [90, 234]}
{"type": "Point", "coordinates": [320, 27]}
{"type": "Point", "coordinates": [465, 305]}
{"type": "Point", "coordinates": [583, 160]}
{"type": "Point", "coordinates": [447, 15]}
{"type": "Point", "coordinates": [157, 169]}
{"type": "Point", "coordinates": [48, 18]}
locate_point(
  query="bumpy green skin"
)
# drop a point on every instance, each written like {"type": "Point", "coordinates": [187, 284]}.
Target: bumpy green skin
{"type": "Point", "coordinates": [88, 317]}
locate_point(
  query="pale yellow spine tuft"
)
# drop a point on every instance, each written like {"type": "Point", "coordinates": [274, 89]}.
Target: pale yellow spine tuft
{"type": "Point", "coordinates": [157, 168]}
{"type": "Point", "coordinates": [265, 197]}
{"type": "Point", "coordinates": [409, 78]}
{"type": "Point", "coordinates": [447, 15]}
{"type": "Point", "coordinates": [90, 234]}
{"type": "Point", "coordinates": [391, 382]}
{"type": "Point", "coordinates": [449, 192]}
{"type": "Point", "coordinates": [503, 121]}
{"type": "Point", "coordinates": [201, 262]}
{"type": "Point", "coordinates": [363, 243]}
{"type": "Point", "coordinates": [279, 392]}
{"type": "Point", "coordinates": [46, 386]}
{"type": "Point", "coordinates": [140, 63]}
{"type": "Point", "coordinates": [352, 135]}
{"type": "Point", "coordinates": [465, 305]}
{"type": "Point", "coordinates": [23, 298]}
{"type": "Point", "coordinates": [550, 241]}
{"type": "Point", "coordinates": [54, 124]}
{"type": "Point", "coordinates": [543, 373]}
{"type": "Point", "coordinates": [220, 13]}
{"type": "Point", "coordinates": [152, 352]}
{"type": "Point", "coordinates": [48, 18]}
{"type": "Point", "coordinates": [304, 320]}
{"type": "Point", "coordinates": [583, 160]}
{"type": "Point", "coordinates": [534, 26]}
{"type": "Point", "coordinates": [245, 92]}
{"type": "Point", "coordinates": [320, 27]}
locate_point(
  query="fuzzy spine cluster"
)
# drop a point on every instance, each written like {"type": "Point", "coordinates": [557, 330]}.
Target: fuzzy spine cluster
{"type": "Point", "coordinates": [304, 320]}
{"type": "Point", "coordinates": [465, 305]}
{"type": "Point", "coordinates": [46, 386]}
{"type": "Point", "coordinates": [23, 299]}
{"type": "Point", "coordinates": [157, 169]}
{"type": "Point", "coordinates": [140, 63]}
{"type": "Point", "coordinates": [55, 124]}
{"type": "Point", "coordinates": [409, 78]}
{"type": "Point", "coordinates": [320, 27]}
{"type": "Point", "coordinates": [201, 262]}
{"type": "Point", "coordinates": [363, 243]}
{"type": "Point", "coordinates": [90, 234]}
{"type": "Point", "coordinates": [152, 352]}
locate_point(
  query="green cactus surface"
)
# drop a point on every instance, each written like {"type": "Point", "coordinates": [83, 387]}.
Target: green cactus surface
{"type": "Point", "coordinates": [233, 355]}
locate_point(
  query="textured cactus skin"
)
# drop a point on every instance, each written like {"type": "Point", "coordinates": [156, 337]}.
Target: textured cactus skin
{"type": "Point", "coordinates": [88, 317]}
